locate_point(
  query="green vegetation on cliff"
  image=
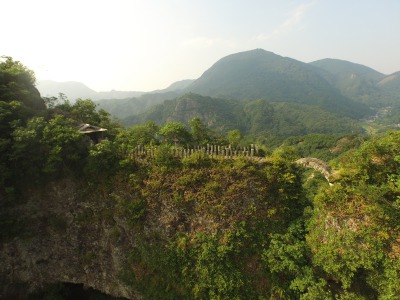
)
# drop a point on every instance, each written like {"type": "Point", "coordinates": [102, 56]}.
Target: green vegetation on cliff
{"type": "Point", "coordinates": [158, 226]}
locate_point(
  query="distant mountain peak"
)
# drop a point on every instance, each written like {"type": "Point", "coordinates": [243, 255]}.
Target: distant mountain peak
{"type": "Point", "coordinates": [353, 80]}
{"type": "Point", "coordinates": [260, 74]}
{"type": "Point", "coordinates": [390, 78]}
{"type": "Point", "coordinates": [72, 89]}
{"type": "Point", "coordinates": [178, 85]}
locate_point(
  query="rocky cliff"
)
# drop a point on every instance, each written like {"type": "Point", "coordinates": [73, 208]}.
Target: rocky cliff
{"type": "Point", "coordinates": [143, 235]}
{"type": "Point", "coordinates": [65, 238]}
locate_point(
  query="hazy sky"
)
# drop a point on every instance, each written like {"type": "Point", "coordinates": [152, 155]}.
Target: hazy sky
{"type": "Point", "coordinates": [146, 45]}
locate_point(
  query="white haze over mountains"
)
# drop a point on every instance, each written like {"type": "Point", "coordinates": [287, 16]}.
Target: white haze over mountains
{"type": "Point", "coordinates": [136, 45]}
{"type": "Point", "coordinates": [74, 90]}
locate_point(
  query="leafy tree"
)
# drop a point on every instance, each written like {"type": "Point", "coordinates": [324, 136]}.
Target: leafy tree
{"type": "Point", "coordinates": [200, 132]}
{"type": "Point", "coordinates": [324, 146]}
{"type": "Point", "coordinates": [175, 132]}
{"type": "Point", "coordinates": [63, 143]}
{"type": "Point", "coordinates": [43, 149]}
{"type": "Point", "coordinates": [145, 134]}
{"type": "Point", "coordinates": [234, 137]}
{"type": "Point", "coordinates": [17, 83]}
{"type": "Point", "coordinates": [84, 111]}
{"type": "Point", "coordinates": [374, 161]}
{"type": "Point", "coordinates": [47, 146]}
{"type": "Point", "coordinates": [19, 101]}
{"type": "Point", "coordinates": [50, 102]}
{"type": "Point", "coordinates": [103, 159]}
{"type": "Point", "coordinates": [28, 153]}
{"type": "Point", "coordinates": [139, 135]}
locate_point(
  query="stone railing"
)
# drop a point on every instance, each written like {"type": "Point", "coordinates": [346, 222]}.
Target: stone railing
{"type": "Point", "coordinates": [208, 150]}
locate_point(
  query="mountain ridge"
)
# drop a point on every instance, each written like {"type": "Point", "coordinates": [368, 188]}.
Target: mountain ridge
{"type": "Point", "coordinates": [335, 85]}
{"type": "Point", "coordinates": [75, 89]}
{"type": "Point", "coordinates": [262, 74]}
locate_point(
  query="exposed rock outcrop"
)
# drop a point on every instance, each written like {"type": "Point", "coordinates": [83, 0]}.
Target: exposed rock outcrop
{"type": "Point", "coordinates": [65, 240]}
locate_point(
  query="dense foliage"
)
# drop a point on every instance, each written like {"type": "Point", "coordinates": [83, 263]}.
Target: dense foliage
{"type": "Point", "coordinates": [19, 101]}
{"type": "Point", "coordinates": [269, 122]}
{"type": "Point", "coordinates": [211, 228]}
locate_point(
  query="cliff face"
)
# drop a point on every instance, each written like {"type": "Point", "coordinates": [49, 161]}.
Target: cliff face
{"type": "Point", "coordinates": [183, 229]}
{"type": "Point", "coordinates": [66, 238]}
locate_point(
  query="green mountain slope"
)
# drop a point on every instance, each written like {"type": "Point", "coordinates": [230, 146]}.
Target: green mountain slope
{"type": "Point", "coordinates": [354, 80]}
{"type": "Point", "coordinates": [261, 74]}
{"type": "Point", "coordinates": [123, 108]}
{"type": "Point", "coordinates": [220, 114]}
{"type": "Point", "coordinates": [177, 86]}
{"type": "Point", "coordinates": [256, 117]}
{"type": "Point", "coordinates": [390, 86]}
{"type": "Point", "coordinates": [391, 82]}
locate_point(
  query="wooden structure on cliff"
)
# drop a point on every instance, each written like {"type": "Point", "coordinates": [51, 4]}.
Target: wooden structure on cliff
{"type": "Point", "coordinates": [95, 133]}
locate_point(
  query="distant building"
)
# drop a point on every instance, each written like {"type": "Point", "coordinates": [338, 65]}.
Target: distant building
{"type": "Point", "coordinates": [96, 134]}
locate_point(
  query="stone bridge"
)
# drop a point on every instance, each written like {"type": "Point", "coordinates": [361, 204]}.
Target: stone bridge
{"type": "Point", "coordinates": [318, 165]}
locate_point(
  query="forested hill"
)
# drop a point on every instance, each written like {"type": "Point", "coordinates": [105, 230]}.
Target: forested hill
{"type": "Point", "coordinates": [259, 74]}
{"type": "Point", "coordinates": [257, 117]}
{"type": "Point", "coordinates": [355, 81]}
{"type": "Point", "coordinates": [391, 82]}
{"type": "Point", "coordinates": [390, 85]}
